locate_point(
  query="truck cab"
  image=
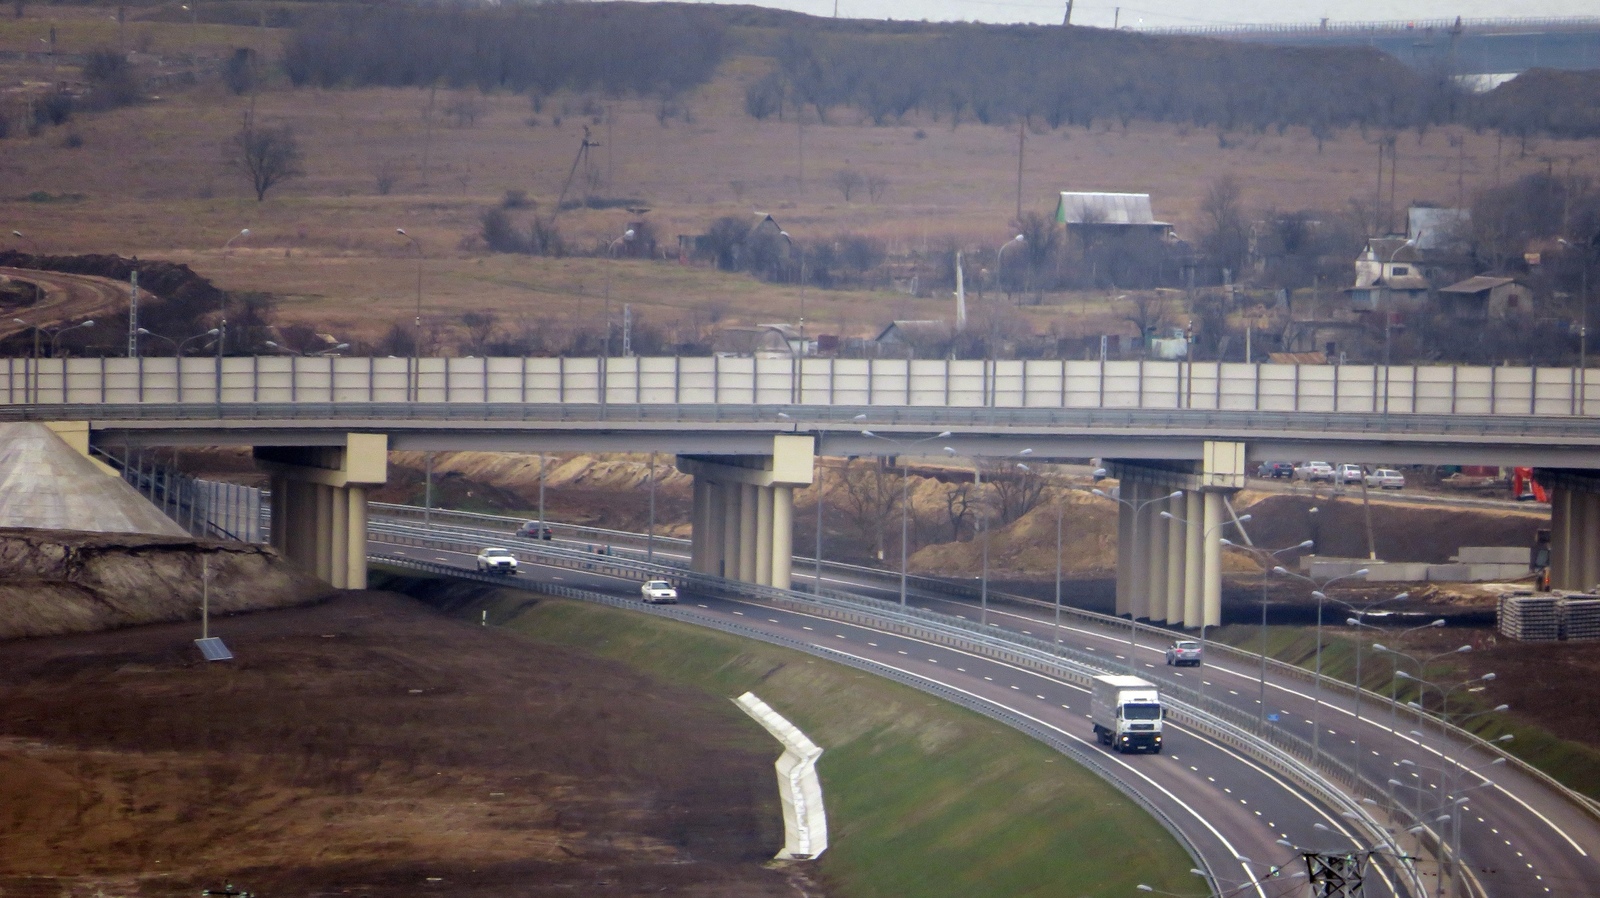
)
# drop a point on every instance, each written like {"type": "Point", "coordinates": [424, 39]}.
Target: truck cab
{"type": "Point", "coordinates": [1127, 713]}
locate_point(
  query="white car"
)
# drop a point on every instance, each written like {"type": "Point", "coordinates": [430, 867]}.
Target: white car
{"type": "Point", "coordinates": [497, 561]}
{"type": "Point", "coordinates": [1386, 478]}
{"type": "Point", "coordinates": [1313, 471]}
{"type": "Point", "coordinates": [659, 591]}
{"type": "Point", "coordinates": [1348, 474]}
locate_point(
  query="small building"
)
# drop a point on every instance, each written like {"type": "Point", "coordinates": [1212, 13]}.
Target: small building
{"type": "Point", "coordinates": [1389, 277]}
{"type": "Point", "coordinates": [762, 341]}
{"type": "Point", "coordinates": [927, 339]}
{"type": "Point", "coordinates": [1110, 212]}
{"type": "Point", "coordinates": [1483, 297]}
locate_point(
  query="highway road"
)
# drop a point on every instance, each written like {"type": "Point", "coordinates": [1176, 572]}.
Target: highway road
{"type": "Point", "coordinates": [1518, 836]}
{"type": "Point", "coordinates": [1228, 806]}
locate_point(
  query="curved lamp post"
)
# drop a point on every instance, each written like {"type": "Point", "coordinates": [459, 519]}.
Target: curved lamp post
{"type": "Point", "coordinates": [1318, 594]}
{"type": "Point", "coordinates": [905, 495]}
{"type": "Point", "coordinates": [1000, 258]}
{"type": "Point", "coordinates": [983, 521]}
{"type": "Point", "coordinates": [1267, 558]}
{"type": "Point", "coordinates": [415, 386]}
{"type": "Point", "coordinates": [1136, 508]}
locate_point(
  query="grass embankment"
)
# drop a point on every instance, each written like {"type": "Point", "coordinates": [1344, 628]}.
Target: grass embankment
{"type": "Point", "coordinates": [923, 798]}
{"type": "Point", "coordinates": [1573, 763]}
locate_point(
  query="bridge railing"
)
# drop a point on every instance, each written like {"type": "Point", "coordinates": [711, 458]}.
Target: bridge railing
{"type": "Point", "coordinates": [471, 384]}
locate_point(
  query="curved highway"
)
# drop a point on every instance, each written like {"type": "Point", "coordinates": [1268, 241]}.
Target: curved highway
{"type": "Point", "coordinates": [1242, 817]}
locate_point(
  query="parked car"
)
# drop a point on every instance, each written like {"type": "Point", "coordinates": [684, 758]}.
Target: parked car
{"type": "Point", "coordinates": [497, 561]}
{"type": "Point", "coordinates": [1348, 474]}
{"type": "Point", "coordinates": [1184, 652]}
{"type": "Point", "coordinates": [531, 530]}
{"type": "Point", "coordinates": [1313, 471]}
{"type": "Point", "coordinates": [659, 591]}
{"type": "Point", "coordinates": [1277, 470]}
{"type": "Point", "coordinates": [1387, 479]}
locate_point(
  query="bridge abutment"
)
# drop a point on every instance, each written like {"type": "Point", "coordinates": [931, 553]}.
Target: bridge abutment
{"type": "Point", "coordinates": [1169, 554]}
{"type": "Point", "coordinates": [319, 504]}
{"type": "Point", "coordinates": [1574, 528]}
{"type": "Point", "coordinates": [743, 511]}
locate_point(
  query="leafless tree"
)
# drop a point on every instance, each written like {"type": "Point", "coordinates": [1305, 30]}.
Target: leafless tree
{"type": "Point", "coordinates": [386, 174]}
{"type": "Point", "coordinates": [848, 181]}
{"type": "Point", "coordinates": [870, 497]}
{"type": "Point", "coordinates": [1149, 313]}
{"type": "Point", "coordinates": [480, 326]}
{"type": "Point", "coordinates": [876, 185]}
{"type": "Point", "coordinates": [466, 109]}
{"type": "Point", "coordinates": [269, 156]}
{"type": "Point", "coordinates": [1013, 490]}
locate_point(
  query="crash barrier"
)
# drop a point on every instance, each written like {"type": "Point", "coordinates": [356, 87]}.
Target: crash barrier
{"type": "Point", "coordinates": [1285, 753]}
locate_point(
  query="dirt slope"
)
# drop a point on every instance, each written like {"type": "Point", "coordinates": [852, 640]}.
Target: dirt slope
{"type": "Point", "coordinates": [368, 746]}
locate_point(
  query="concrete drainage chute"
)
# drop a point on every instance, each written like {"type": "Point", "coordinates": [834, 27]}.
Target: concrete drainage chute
{"type": "Point", "coordinates": [805, 825]}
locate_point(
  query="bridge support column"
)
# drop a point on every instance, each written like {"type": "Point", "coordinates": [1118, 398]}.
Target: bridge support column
{"type": "Point", "coordinates": [1177, 569]}
{"type": "Point", "coordinates": [319, 504]}
{"type": "Point", "coordinates": [1155, 607]}
{"type": "Point", "coordinates": [1574, 528]}
{"type": "Point", "coordinates": [1171, 569]}
{"type": "Point", "coordinates": [1194, 570]}
{"type": "Point", "coordinates": [747, 530]}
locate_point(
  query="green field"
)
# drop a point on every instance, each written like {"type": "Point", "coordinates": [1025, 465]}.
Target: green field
{"type": "Point", "coordinates": [924, 798]}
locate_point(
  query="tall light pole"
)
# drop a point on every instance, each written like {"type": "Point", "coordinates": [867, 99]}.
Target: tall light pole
{"type": "Point", "coordinates": [21, 236]}
{"type": "Point", "coordinates": [1268, 561]}
{"type": "Point", "coordinates": [905, 494]}
{"type": "Point", "coordinates": [802, 251]}
{"type": "Point", "coordinates": [1583, 326]}
{"type": "Point", "coordinates": [650, 535]}
{"type": "Point", "coordinates": [1318, 594]}
{"type": "Point", "coordinates": [55, 336]}
{"type": "Point", "coordinates": [1204, 535]}
{"type": "Point", "coordinates": [1000, 257]}
{"type": "Point", "coordinates": [1136, 508]}
{"type": "Point", "coordinates": [222, 339]}
{"type": "Point", "coordinates": [982, 524]}
{"type": "Point", "coordinates": [1361, 611]}
{"type": "Point", "coordinates": [416, 333]}
{"type": "Point", "coordinates": [611, 249]}
{"type": "Point", "coordinates": [816, 586]}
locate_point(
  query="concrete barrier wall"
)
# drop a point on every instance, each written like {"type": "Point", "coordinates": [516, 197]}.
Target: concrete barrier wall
{"type": "Point", "coordinates": [845, 382]}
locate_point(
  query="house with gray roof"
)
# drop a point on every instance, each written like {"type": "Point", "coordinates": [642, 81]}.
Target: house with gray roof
{"type": "Point", "coordinates": [1117, 212]}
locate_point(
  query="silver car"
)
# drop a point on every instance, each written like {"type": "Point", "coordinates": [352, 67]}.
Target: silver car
{"type": "Point", "coordinates": [1386, 478]}
{"type": "Point", "coordinates": [659, 592]}
{"type": "Point", "coordinates": [1184, 652]}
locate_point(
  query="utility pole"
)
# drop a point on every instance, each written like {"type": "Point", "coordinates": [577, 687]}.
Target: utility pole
{"type": "Point", "coordinates": [1067, 19]}
{"type": "Point", "coordinates": [627, 330]}
{"type": "Point", "coordinates": [1022, 140]}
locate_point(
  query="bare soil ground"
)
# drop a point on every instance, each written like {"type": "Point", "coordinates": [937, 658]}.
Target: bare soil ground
{"type": "Point", "coordinates": [369, 746]}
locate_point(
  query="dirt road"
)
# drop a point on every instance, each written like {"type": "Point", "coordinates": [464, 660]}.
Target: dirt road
{"type": "Point", "coordinates": [67, 298]}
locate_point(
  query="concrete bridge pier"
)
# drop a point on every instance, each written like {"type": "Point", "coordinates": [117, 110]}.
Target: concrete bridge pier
{"type": "Point", "coordinates": [743, 511]}
{"type": "Point", "coordinates": [319, 503]}
{"type": "Point", "coordinates": [1574, 529]}
{"type": "Point", "coordinates": [1169, 554]}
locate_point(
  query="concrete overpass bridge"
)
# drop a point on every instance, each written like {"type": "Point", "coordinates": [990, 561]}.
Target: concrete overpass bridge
{"type": "Point", "coordinates": [1179, 436]}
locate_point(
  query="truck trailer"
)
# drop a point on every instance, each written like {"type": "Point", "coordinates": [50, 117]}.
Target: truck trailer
{"type": "Point", "coordinates": [1126, 712]}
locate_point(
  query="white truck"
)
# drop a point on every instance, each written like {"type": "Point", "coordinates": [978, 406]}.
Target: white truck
{"type": "Point", "coordinates": [1126, 712]}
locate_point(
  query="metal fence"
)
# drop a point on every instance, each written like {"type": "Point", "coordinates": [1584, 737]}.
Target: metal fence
{"type": "Point", "coordinates": [716, 381]}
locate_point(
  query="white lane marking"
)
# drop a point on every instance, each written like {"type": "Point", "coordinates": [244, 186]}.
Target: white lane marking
{"type": "Point", "coordinates": [1078, 739]}
{"type": "Point", "coordinates": [741, 614]}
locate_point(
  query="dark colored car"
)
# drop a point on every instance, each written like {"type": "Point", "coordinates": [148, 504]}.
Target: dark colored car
{"type": "Point", "coordinates": [531, 530]}
{"type": "Point", "coordinates": [1277, 470]}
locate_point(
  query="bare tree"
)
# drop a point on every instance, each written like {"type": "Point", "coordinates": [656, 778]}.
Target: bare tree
{"type": "Point", "coordinates": [871, 496]}
{"type": "Point", "coordinates": [1014, 490]}
{"type": "Point", "coordinates": [268, 156]}
{"type": "Point", "coordinates": [466, 109]}
{"type": "Point", "coordinates": [876, 185]}
{"type": "Point", "coordinates": [1148, 314]}
{"type": "Point", "coordinates": [848, 181]}
{"type": "Point", "coordinates": [1224, 233]}
{"type": "Point", "coordinates": [386, 174]}
{"type": "Point", "coordinates": [480, 326]}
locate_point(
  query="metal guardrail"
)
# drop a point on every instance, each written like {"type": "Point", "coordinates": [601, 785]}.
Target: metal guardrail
{"type": "Point", "coordinates": [1237, 424]}
{"type": "Point", "coordinates": [1074, 750]}
{"type": "Point", "coordinates": [1220, 721]}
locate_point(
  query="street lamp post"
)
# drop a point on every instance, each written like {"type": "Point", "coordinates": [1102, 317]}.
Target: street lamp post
{"type": "Point", "coordinates": [1268, 559]}
{"type": "Point", "coordinates": [611, 254]}
{"type": "Point", "coordinates": [1000, 257]}
{"type": "Point", "coordinates": [1318, 594]}
{"type": "Point", "coordinates": [982, 524]}
{"type": "Point", "coordinates": [222, 325]}
{"type": "Point", "coordinates": [802, 251]}
{"type": "Point", "coordinates": [1136, 508]}
{"type": "Point", "coordinates": [55, 336]}
{"type": "Point", "coordinates": [905, 495]}
{"type": "Point", "coordinates": [1359, 621]}
{"type": "Point", "coordinates": [415, 387]}
{"type": "Point", "coordinates": [816, 583]}
{"type": "Point", "coordinates": [1204, 622]}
